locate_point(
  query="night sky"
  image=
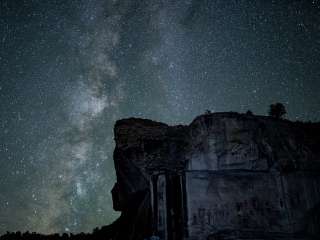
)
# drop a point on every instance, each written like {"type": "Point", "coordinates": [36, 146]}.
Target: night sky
{"type": "Point", "coordinates": [70, 69]}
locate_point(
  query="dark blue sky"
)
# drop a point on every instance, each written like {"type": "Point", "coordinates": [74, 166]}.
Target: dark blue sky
{"type": "Point", "coordinates": [70, 69]}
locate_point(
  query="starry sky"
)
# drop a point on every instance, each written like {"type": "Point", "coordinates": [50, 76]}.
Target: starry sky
{"type": "Point", "coordinates": [70, 69]}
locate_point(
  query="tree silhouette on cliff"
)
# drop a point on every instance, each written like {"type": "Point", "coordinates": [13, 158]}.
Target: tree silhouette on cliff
{"type": "Point", "coordinates": [277, 110]}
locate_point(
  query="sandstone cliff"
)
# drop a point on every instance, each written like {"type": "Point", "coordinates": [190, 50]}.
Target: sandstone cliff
{"type": "Point", "coordinates": [224, 176]}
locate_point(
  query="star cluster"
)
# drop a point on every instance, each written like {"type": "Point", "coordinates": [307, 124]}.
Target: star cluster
{"type": "Point", "coordinates": [70, 69]}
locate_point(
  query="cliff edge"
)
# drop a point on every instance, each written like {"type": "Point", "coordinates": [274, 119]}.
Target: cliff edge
{"type": "Point", "coordinates": [224, 176]}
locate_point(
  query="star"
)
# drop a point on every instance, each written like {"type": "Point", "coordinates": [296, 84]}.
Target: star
{"type": "Point", "coordinates": [70, 69]}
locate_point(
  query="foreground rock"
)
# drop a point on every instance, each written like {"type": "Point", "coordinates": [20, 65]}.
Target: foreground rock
{"type": "Point", "coordinates": [224, 176]}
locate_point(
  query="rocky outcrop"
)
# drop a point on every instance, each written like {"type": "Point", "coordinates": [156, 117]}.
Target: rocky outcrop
{"type": "Point", "coordinates": [224, 176]}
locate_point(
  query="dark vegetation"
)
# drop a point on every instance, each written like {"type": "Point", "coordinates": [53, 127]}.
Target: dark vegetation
{"type": "Point", "coordinates": [277, 110]}
{"type": "Point", "coordinates": [106, 232]}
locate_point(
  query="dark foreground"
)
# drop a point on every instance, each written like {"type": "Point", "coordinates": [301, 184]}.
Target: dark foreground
{"type": "Point", "coordinates": [225, 176]}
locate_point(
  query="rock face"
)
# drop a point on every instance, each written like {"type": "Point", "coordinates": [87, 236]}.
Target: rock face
{"type": "Point", "coordinates": [224, 176]}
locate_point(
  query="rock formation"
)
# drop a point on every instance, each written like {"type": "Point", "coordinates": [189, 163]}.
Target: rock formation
{"type": "Point", "coordinates": [224, 176]}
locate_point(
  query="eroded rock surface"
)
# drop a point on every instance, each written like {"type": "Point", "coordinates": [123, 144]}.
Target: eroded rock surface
{"type": "Point", "coordinates": [224, 176]}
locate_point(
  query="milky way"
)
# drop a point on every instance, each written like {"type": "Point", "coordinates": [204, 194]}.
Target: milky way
{"type": "Point", "coordinates": [70, 69]}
